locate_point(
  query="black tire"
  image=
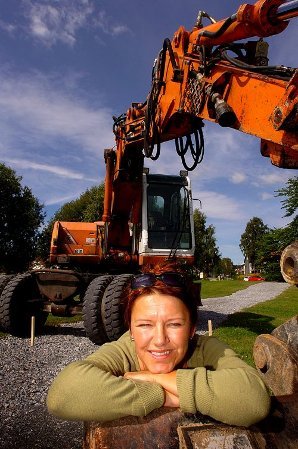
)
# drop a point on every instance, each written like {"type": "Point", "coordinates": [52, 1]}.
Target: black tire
{"type": "Point", "coordinates": [92, 309]}
{"type": "Point", "coordinates": [4, 279]}
{"type": "Point", "coordinates": [111, 310]}
{"type": "Point", "coordinates": [16, 307]}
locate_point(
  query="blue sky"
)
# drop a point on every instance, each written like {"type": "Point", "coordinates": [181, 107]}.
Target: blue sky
{"type": "Point", "coordinates": [67, 66]}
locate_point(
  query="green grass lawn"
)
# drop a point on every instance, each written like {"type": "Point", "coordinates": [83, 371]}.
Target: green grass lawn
{"type": "Point", "coordinates": [57, 320]}
{"type": "Point", "coordinates": [214, 289]}
{"type": "Point", "coordinates": [241, 329]}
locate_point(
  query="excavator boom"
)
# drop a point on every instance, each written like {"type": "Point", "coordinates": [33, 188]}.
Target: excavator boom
{"type": "Point", "coordinates": [206, 74]}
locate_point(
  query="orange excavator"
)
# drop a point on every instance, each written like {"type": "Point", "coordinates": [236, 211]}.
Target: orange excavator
{"type": "Point", "coordinates": [209, 73]}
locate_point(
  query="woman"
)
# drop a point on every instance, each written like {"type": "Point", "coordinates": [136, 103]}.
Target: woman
{"type": "Point", "coordinates": [159, 362]}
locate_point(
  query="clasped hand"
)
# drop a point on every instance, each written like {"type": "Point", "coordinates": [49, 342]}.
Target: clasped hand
{"type": "Point", "coordinates": [166, 381]}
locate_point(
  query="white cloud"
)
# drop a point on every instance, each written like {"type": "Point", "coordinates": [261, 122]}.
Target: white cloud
{"type": "Point", "coordinates": [266, 196]}
{"type": "Point", "coordinates": [34, 109]}
{"type": "Point", "coordinates": [56, 170]}
{"type": "Point", "coordinates": [238, 178]}
{"type": "Point", "coordinates": [119, 29]}
{"type": "Point", "coordinates": [51, 136]}
{"type": "Point", "coordinates": [219, 206]}
{"type": "Point", "coordinates": [228, 155]}
{"type": "Point", "coordinates": [51, 24]}
{"type": "Point", "coordinates": [273, 178]}
{"type": "Point", "coordinates": [61, 22]}
{"type": "Point", "coordinates": [8, 27]}
{"type": "Point", "coordinates": [61, 199]}
{"type": "Point", "coordinates": [224, 141]}
{"type": "Point", "coordinates": [105, 23]}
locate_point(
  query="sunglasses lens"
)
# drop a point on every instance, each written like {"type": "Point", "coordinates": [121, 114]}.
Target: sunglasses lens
{"type": "Point", "coordinates": [143, 280]}
{"type": "Point", "coordinates": [172, 279]}
{"type": "Point", "coordinates": [149, 279]}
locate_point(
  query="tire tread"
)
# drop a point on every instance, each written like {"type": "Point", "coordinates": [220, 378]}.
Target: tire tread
{"type": "Point", "coordinates": [92, 309]}
{"type": "Point", "coordinates": [111, 311]}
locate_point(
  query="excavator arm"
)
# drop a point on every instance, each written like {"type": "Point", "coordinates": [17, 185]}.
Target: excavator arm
{"type": "Point", "coordinates": [208, 73]}
{"type": "Point", "coordinates": [195, 77]}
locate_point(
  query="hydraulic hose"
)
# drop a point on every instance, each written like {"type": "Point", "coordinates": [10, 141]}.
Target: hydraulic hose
{"type": "Point", "coordinates": [221, 30]}
{"type": "Point", "coordinates": [150, 112]}
{"type": "Point", "coordinates": [282, 71]}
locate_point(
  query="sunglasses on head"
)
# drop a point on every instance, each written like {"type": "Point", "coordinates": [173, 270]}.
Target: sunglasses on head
{"type": "Point", "coordinates": [149, 279]}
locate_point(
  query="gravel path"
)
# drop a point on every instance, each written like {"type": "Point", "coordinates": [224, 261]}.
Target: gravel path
{"type": "Point", "coordinates": [217, 309]}
{"type": "Point", "coordinates": [26, 373]}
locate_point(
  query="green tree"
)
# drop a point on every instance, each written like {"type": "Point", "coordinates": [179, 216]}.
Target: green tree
{"type": "Point", "coordinates": [290, 203]}
{"type": "Point", "coordinates": [21, 216]}
{"type": "Point", "coordinates": [199, 230]}
{"type": "Point", "coordinates": [227, 267]}
{"type": "Point", "coordinates": [274, 242]}
{"type": "Point", "coordinates": [206, 252]}
{"type": "Point", "coordinates": [87, 208]}
{"type": "Point", "coordinates": [251, 238]}
{"type": "Point", "coordinates": [270, 248]}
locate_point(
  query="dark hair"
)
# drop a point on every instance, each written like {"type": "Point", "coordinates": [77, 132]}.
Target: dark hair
{"type": "Point", "coordinates": [187, 292]}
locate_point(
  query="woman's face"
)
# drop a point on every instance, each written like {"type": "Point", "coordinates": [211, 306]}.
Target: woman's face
{"type": "Point", "coordinates": [161, 328]}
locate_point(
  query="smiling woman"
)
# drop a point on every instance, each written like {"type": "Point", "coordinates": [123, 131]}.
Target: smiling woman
{"type": "Point", "coordinates": [161, 329]}
{"type": "Point", "coordinates": [159, 362]}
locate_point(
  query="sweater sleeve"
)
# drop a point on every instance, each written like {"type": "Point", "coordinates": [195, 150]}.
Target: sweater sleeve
{"type": "Point", "coordinates": [225, 387]}
{"type": "Point", "coordinates": [95, 390]}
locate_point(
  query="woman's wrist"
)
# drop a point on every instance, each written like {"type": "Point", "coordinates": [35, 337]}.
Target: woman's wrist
{"type": "Point", "coordinates": [171, 400]}
{"type": "Point", "coordinates": [167, 381]}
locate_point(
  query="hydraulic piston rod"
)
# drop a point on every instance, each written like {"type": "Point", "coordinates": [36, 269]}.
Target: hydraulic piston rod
{"type": "Point", "coordinates": [287, 10]}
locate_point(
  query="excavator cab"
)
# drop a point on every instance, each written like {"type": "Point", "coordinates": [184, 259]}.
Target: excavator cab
{"type": "Point", "coordinates": [167, 217]}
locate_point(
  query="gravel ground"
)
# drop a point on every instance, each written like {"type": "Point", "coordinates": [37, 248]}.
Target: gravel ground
{"type": "Point", "coordinates": [26, 373]}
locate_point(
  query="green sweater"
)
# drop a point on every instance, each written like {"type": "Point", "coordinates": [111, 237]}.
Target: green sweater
{"type": "Point", "coordinates": [216, 383]}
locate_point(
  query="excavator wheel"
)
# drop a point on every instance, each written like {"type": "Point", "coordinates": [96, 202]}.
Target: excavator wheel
{"type": "Point", "coordinates": [111, 310]}
{"type": "Point", "coordinates": [92, 309]}
{"type": "Point", "coordinates": [18, 303]}
{"type": "Point", "coordinates": [4, 279]}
